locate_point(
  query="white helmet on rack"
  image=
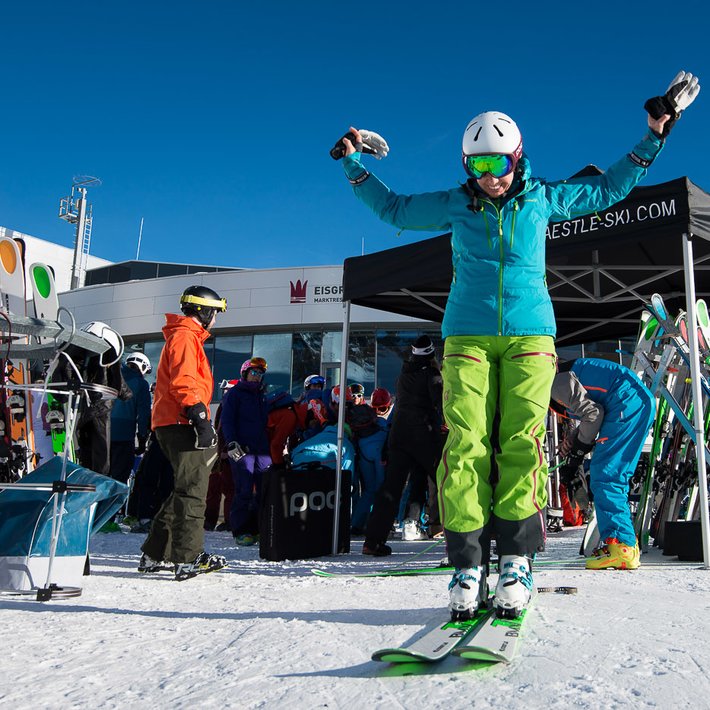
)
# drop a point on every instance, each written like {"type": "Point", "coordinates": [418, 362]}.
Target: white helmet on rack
{"type": "Point", "coordinates": [110, 336]}
{"type": "Point", "coordinates": [141, 362]}
{"type": "Point", "coordinates": [492, 132]}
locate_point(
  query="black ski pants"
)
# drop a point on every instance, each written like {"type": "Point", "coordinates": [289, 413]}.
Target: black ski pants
{"type": "Point", "coordinates": [417, 462]}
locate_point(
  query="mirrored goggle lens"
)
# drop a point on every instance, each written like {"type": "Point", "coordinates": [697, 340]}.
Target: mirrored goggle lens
{"type": "Point", "coordinates": [317, 381]}
{"type": "Point", "coordinates": [496, 165]}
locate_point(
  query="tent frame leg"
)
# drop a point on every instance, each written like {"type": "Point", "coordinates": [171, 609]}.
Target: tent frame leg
{"type": "Point", "coordinates": [341, 423]}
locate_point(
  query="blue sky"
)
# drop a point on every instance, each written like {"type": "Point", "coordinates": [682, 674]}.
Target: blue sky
{"type": "Point", "coordinates": [212, 120]}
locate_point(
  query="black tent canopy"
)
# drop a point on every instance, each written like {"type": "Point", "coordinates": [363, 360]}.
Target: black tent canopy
{"type": "Point", "coordinates": [600, 267]}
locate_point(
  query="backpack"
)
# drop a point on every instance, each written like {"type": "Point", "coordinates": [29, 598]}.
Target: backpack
{"type": "Point", "coordinates": [363, 421]}
{"type": "Point", "coordinates": [278, 400]}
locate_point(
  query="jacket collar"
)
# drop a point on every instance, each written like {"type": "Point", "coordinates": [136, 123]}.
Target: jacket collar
{"type": "Point", "coordinates": [174, 322]}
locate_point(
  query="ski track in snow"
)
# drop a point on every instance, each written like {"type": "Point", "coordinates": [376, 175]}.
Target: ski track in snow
{"type": "Point", "coordinates": [264, 634]}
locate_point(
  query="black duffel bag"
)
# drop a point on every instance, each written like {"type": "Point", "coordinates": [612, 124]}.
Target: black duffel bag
{"type": "Point", "coordinates": [297, 509]}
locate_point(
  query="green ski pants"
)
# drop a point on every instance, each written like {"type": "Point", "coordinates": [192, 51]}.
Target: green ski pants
{"type": "Point", "coordinates": [485, 375]}
{"type": "Point", "coordinates": [177, 533]}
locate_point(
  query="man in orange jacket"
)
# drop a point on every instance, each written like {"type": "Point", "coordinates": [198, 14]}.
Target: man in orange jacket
{"type": "Point", "coordinates": [181, 422]}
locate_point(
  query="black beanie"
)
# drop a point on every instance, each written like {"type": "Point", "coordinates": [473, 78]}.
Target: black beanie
{"type": "Point", "coordinates": [423, 346]}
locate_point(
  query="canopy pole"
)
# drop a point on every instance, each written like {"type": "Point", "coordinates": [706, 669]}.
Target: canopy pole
{"type": "Point", "coordinates": [697, 394]}
{"type": "Point", "coordinates": [341, 423]}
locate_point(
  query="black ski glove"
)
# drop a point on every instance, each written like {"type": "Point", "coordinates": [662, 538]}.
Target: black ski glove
{"type": "Point", "coordinates": [680, 94]}
{"type": "Point", "coordinates": [206, 436]}
{"type": "Point", "coordinates": [235, 452]}
{"type": "Point", "coordinates": [372, 144]}
{"type": "Point", "coordinates": [140, 449]}
{"type": "Point", "coordinates": [576, 455]}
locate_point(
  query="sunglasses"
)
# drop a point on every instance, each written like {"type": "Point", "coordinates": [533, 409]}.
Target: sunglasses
{"type": "Point", "coordinates": [495, 165]}
{"type": "Point", "coordinates": [254, 371]}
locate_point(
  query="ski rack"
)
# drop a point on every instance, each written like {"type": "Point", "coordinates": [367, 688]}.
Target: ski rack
{"type": "Point", "coordinates": [12, 325]}
{"type": "Point", "coordinates": [655, 373]}
{"type": "Point", "coordinates": [59, 489]}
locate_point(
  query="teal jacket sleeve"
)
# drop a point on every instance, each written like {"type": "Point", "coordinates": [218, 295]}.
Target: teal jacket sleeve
{"type": "Point", "coordinates": [580, 196]}
{"type": "Point", "coordinates": [427, 211]}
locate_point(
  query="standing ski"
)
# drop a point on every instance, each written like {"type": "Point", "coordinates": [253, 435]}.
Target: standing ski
{"type": "Point", "coordinates": [17, 412]}
{"type": "Point", "coordinates": [49, 420]}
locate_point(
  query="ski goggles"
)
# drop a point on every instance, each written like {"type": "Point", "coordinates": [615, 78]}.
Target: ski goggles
{"type": "Point", "coordinates": [316, 381]}
{"type": "Point", "coordinates": [494, 164]}
{"type": "Point", "coordinates": [357, 390]}
{"type": "Point", "coordinates": [382, 410]}
{"type": "Point", "coordinates": [258, 362]}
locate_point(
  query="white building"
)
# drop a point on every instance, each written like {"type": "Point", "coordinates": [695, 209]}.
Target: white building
{"type": "Point", "coordinates": [58, 257]}
{"type": "Point", "coordinates": [292, 317]}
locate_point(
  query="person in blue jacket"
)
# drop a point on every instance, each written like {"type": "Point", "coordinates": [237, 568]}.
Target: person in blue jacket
{"type": "Point", "coordinates": [130, 418]}
{"type": "Point", "coordinates": [615, 410]}
{"type": "Point", "coordinates": [244, 425]}
{"type": "Point", "coordinates": [499, 328]}
{"type": "Point", "coordinates": [322, 448]}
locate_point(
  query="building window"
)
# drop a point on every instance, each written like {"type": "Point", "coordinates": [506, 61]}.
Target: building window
{"type": "Point", "coordinates": [332, 346]}
{"type": "Point", "coordinates": [275, 348]}
{"type": "Point", "coordinates": [152, 350]}
{"type": "Point", "coordinates": [393, 348]}
{"type": "Point", "coordinates": [305, 359]}
{"type": "Point", "coordinates": [230, 351]}
{"type": "Point", "coordinates": [361, 360]}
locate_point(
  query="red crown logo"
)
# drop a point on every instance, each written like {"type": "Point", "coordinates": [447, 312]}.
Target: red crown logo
{"type": "Point", "coordinates": [298, 291]}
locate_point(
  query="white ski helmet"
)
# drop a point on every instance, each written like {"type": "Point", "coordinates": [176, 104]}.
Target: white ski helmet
{"type": "Point", "coordinates": [141, 361]}
{"type": "Point", "coordinates": [492, 132]}
{"type": "Point", "coordinates": [111, 337]}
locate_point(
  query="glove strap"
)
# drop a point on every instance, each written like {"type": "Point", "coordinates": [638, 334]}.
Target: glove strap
{"type": "Point", "coordinates": [641, 162]}
{"type": "Point", "coordinates": [359, 179]}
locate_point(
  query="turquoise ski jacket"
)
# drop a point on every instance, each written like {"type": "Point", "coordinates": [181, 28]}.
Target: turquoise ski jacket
{"type": "Point", "coordinates": [498, 245]}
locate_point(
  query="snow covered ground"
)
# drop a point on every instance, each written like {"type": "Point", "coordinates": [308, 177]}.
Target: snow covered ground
{"type": "Point", "coordinates": [263, 634]}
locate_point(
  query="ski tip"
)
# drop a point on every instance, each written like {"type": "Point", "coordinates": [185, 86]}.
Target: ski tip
{"type": "Point", "coordinates": [480, 654]}
{"type": "Point", "coordinates": [396, 655]}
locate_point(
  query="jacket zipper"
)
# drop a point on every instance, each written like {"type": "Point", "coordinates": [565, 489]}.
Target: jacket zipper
{"type": "Point", "coordinates": [499, 213]}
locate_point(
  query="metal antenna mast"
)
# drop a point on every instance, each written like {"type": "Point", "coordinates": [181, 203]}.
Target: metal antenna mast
{"type": "Point", "coordinates": [76, 210]}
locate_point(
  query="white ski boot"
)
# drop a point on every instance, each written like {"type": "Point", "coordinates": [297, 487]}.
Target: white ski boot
{"type": "Point", "coordinates": [515, 585]}
{"type": "Point", "coordinates": [464, 593]}
{"type": "Point", "coordinates": [412, 530]}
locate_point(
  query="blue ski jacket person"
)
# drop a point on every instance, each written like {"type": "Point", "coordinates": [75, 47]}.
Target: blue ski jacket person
{"type": "Point", "coordinates": [133, 414]}
{"type": "Point", "coordinates": [323, 448]}
{"type": "Point", "coordinates": [615, 411]}
{"type": "Point", "coordinates": [498, 328]}
{"type": "Point", "coordinates": [498, 285]}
